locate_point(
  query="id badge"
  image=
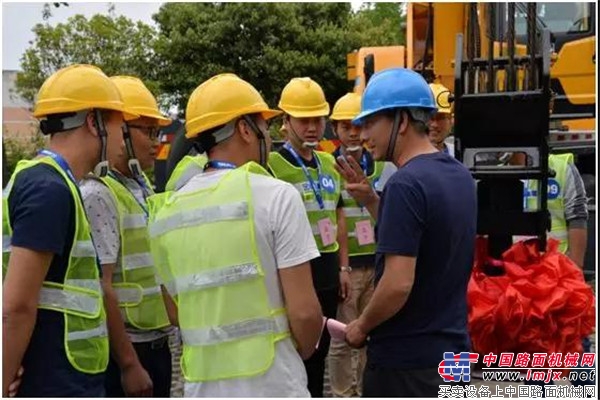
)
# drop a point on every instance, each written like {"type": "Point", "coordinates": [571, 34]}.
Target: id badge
{"type": "Point", "coordinates": [326, 231]}
{"type": "Point", "coordinates": [365, 233]}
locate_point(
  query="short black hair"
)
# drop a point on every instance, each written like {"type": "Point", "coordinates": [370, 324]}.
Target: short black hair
{"type": "Point", "coordinates": [418, 122]}
{"type": "Point", "coordinates": [206, 140]}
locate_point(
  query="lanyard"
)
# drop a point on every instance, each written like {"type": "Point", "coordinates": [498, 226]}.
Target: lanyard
{"type": "Point", "coordinates": [363, 162]}
{"type": "Point", "coordinates": [119, 178]}
{"type": "Point", "coordinates": [62, 163]}
{"type": "Point", "coordinates": [142, 182]}
{"type": "Point", "coordinates": [216, 164]}
{"type": "Point", "coordinates": [316, 188]}
{"type": "Point", "coordinates": [65, 167]}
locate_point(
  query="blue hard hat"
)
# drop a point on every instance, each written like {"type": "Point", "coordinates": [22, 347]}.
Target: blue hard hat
{"type": "Point", "coordinates": [394, 88]}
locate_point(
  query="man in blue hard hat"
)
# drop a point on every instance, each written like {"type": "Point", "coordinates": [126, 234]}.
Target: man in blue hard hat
{"type": "Point", "coordinates": [425, 233]}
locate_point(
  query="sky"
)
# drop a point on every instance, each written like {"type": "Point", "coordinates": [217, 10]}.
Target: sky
{"type": "Point", "coordinates": [19, 18]}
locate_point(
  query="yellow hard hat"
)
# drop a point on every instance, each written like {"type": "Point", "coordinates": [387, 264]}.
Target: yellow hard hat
{"type": "Point", "coordinates": [303, 98]}
{"type": "Point", "coordinates": [347, 107]}
{"type": "Point", "coordinates": [138, 99]}
{"type": "Point", "coordinates": [441, 95]}
{"type": "Point", "coordinates": [221, 99]}
{"type": "Point", "coordinates": [76, 88]}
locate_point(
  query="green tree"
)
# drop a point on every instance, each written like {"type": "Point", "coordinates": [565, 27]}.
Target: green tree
{"type": "Point", "coordinates": [380, 24]}
{"type": "Point", "coordinates": [264, 43]}
{"type": "Point", "coordinates": [116, 44]}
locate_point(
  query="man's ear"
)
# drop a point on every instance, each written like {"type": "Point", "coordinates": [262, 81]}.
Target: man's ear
{"type": "Point", "coordinates": [404, 121]}
{"type": "Point", "coordinates": [246, 132]}
{"type": "Point", "coordinates": [90, 123]}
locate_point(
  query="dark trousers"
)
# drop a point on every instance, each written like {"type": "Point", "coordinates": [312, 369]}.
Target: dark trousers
{"type": "Point", "coordinates": [392, 382]}
{"type": "Point", "coordinates": [155, 357]}
{"type": "Point", "coordinates": [315, 365]}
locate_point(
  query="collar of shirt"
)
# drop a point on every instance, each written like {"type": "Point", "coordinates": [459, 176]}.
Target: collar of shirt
{"type": "Point", "coordinates": [290, 158]}
{"type": "Point", "coordinates": [133, 186]}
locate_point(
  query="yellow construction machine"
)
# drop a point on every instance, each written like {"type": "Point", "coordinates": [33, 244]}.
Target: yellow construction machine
{"type": "Point", "coordinates": [431, 30]}
{"type": "Point", "coordinates": [502, 51]}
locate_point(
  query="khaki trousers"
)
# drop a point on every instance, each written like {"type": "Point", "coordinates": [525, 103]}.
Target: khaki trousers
{"type": "Point", "coordinates": [341, 371]}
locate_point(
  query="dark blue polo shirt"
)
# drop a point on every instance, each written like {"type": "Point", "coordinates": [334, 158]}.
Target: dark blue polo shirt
{"type": "Point", "coordinates": [428, 210]}
{"type": "Point", "coordinates": [42, 216]}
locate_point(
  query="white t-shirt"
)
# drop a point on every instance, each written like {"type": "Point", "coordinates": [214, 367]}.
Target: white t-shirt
{"type": "Point", "coordinates": [284, 239]}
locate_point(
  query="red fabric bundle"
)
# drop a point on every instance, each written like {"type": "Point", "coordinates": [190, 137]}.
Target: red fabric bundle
{"type": "Point", "coordinates": [540, 304]}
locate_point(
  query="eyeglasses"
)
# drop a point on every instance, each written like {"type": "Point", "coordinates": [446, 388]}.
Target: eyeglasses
{"type": "Point", "coordinates": [151, 131]}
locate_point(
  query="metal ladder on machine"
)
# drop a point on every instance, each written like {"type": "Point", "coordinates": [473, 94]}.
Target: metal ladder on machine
{"type": "Point", "coordinates": [513, 121]}
{"type": "Point", "coordinates": [489, 120]}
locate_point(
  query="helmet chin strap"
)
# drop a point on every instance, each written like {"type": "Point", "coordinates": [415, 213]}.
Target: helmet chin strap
{"type": "Point", "coordinates": [305, 144]}
{"type": "Point", "coordinates": [262, 141]}
{"type": "Point", "coordinates": [132, 163]}
{"type": "Point", "coordinates": [394, 136]}
{"type": "Point", "coordinates": [353, 149]}
{"type": "Point", "coordinates": [101, 169]}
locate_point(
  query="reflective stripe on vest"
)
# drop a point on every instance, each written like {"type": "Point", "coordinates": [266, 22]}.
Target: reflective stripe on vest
{"type": "Point", "coordinates": [200, 216]}
{"type": "Point", "coordinates": [79, 296]}
{"type": "Point", "coordinates": [99, 332]}
{"type": "Point", "coordinates": [227, 333]}
{"type": "Point", "coordinates": [134, 221]}
{"type": "Point", "coordinates": [294, 175]}
{"type": "Point", "coordinates": [186, 169]}
{"type": "Point", "coordinates": [223, 303]}
{"type": "Point", "coordinates": [191, 171]}
{"type": "Point", "coordinates": [559, 228]}
{"type": "Point", "coordinates": [354, 213]}
{"type": "Point", "coordinates": [134, 295]}
{"type": "Point", "coordinates": [312, 206]}
{"type": "Point", "coordinates": [76, 296]}
{"type": "Point", "coordinates": [208, 279]}
{"type": "Point", "coordinates": [140, 260]}
{"type": "Point", "coordinates": [83, 248]}
{"type": "Point", "coordinates": [134, 281]}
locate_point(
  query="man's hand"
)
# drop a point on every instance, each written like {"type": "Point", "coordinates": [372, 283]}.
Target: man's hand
{"type": "Point", "coordinates": [136, 382]}
{"type": "Point", "coordinates": [13, 388]}
{"type": "Point", "coordinates": [350, 170]}
{"type": "Point", "coordinates": [355, 337]}
{"type": "Point", "coordinates": [357, 184]}
{"type": "Point", "coordinates": [345, 286]}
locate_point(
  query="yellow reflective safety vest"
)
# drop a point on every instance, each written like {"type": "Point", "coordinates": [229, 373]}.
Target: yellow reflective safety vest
{"type": "Point", "coordinates": [556, 201]}
{"type": "Point", "coordinates": [355, 214]}
{"type": "Point", "coordinates": [140, 297]}
{"type": "Point", "coordinates": [186, 169]}
{"type": "Point", "coordinates": [79, 297]}
{"type": "Point", "coordinates": [204, 245]}
{"type": "Point", "coordinates": [330, 191]}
